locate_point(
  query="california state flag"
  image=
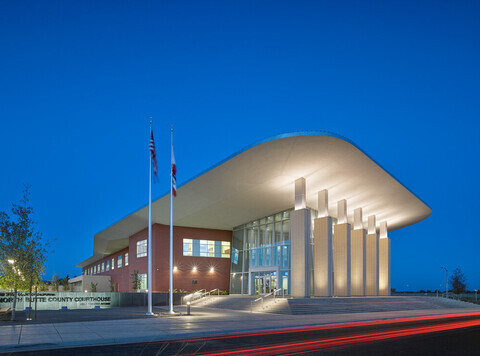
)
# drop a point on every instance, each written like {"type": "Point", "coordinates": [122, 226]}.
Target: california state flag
{"type": "Point", "coordinates": [174, 175]}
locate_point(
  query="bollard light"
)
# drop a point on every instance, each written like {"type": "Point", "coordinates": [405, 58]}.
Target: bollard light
{"type": "Point", "coordinates": [188, 308]}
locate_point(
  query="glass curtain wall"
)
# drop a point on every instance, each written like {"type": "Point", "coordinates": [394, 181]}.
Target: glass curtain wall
{"type": "Point", "coordinates": [260, 251]}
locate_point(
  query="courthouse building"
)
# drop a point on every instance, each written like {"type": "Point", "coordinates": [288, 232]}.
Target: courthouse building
{"type": "Point", "coordinates": [308, 213]}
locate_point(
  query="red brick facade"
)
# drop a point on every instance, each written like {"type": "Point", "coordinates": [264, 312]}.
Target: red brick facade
{"type": "Point", "coordinates": [184, 276]}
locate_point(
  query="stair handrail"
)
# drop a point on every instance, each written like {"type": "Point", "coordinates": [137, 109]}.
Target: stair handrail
{"type": "Point", "coordinates": [194, 296]}
{"type": "Point", "coordinates": [275, 293]}
{"type": "Point", "coordinates": [213, 290]}
{"type": "Point", "coordinates": [210, 293]}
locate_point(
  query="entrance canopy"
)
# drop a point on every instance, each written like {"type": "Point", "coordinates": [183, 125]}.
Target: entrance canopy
{"type": "Point", "coordinates": [259, 181]}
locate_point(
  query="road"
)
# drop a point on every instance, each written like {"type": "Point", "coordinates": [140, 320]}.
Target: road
{"type": "Point", "coordinates": [453, 334]}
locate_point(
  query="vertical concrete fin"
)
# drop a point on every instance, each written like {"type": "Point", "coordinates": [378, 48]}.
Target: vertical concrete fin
{"type": "Point", "coordinates": [358, 219]}
{"type": "Point", "coordinates": [323, 257]}
{"type": "Point", "coordinates": [372, 224]}
{"type": "Point", "coordinates": [300, 253]}
{"type": "Point", "coordinates": [323, 203]}
{"type": "Point", "coordinates": [384, 267]}
{"type": "Point", "coordinates": [342, 260]}
{"type": "Point", "coordinates": [300, 194]}
{"type": "Point", "coordinates": [383, 229]}
{"type": "Point", "coordinates": [342, 211]}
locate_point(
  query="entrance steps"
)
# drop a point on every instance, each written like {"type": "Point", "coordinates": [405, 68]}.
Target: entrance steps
{"type": "Point", "coordinates": [303, 306]}
{"type": "Point", "coordinates": [245, 303]}
{"type": "Point", "coordinates": [336, 305]}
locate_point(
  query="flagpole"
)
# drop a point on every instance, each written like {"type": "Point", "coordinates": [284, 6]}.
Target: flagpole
{"type": "Point", "coordinates": [171, 222]}
{"type": "Point", "coordinates": [149, 273]}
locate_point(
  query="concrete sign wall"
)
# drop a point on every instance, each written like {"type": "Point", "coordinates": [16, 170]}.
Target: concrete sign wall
{"type": "Point", "coordinates": [79, 300]}
{"type": "Point", "coordinates": [54, 301]}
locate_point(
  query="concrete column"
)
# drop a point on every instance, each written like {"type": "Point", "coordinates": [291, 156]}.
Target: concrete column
{"type": "Point", "coordinates": [300, 253]}
{"type": "Point", "coordinates": [372, 257]}
{"type": "Point", "coordinates": [342, 260]}
{"type": "Point", "coordinates": [300, 243]}
{"type": "Point", "coordinates": [323, 249]}
{"type": "Point", "coordinates": [384, 261]}
{"type": "Point", "coordinates": [359, 254]}
{"type": "Point", "coordinates": [342, 253]}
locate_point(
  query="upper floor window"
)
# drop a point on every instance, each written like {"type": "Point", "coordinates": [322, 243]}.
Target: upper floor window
{"type": "Point", "coordinates": [141, 248]}
{"type": "Point", "coordinates": [119, 261]}
{"type": "Point", "coordinates": [126, 259]}
{"type": "Point", "coordinates": [108, 265]}
{"type": "Point", "coordinates": [103, 266]}
{"type": "Point", "coordinates": [113, 263]}
{"type": "Point", "coordinates": [206, 248]}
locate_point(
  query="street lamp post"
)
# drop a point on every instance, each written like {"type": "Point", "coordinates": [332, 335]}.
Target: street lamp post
{"type": "Point", "coordinates": [476, 290]}
{"type": "Point", "coordinates": [446, 281]}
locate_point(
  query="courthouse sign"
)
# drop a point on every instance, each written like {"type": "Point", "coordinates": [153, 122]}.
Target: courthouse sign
{"type": "Point", "coordinates": [53, 301]}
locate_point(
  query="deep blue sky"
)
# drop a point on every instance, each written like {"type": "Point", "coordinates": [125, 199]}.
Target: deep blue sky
{"type": "Point", "coordinates": [79, 81]}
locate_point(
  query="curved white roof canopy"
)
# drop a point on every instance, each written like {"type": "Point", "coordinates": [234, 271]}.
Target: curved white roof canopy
{"type": "Point", "coordinates": [259, 181]}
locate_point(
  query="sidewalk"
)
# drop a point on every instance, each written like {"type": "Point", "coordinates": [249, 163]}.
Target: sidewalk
{"type": "Point", "coordinates": [203, 322]}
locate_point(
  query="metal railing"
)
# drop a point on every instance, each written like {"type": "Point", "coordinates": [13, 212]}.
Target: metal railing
{"type": "Point", "coordinates": [194, 296]}
{"type": "Point", "coordinates": [199, 294]}
{"type": "Point", "coordinates": [263, 297]}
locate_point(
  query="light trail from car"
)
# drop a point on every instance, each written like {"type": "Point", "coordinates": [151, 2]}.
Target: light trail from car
{"type": "Point", "coordinates": [326, 343]}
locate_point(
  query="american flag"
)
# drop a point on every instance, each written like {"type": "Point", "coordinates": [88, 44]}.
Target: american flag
{"type": "Point", "coordinates": [151, 146]}
{"type": "Point", "coordinates": [174, 175]}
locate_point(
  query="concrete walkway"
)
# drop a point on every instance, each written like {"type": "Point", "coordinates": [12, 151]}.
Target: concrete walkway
{"type": "Point", "coordinates": [203, 322]}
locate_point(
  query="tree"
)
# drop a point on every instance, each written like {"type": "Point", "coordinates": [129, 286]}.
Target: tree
{"type": "Point", "coordinates": [136, 282]}
{"type": "Point", "coordinates": [55, 282]}
{"type": "Point", "coordinates": [64, 283]}
{"type": "Point", "coordinates": [93, 286]}
{"type": "Point", "coordinates": [43, 287]}
{"type": "Point", "coordinates": [23, 252]}
{"type": "Point", "coordinates": [458, 281]}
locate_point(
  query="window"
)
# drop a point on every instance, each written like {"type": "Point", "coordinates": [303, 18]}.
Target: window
{"type": "Point", "coordinates": [187, 247]}
{"type": "Point", "coordinates": [203, 248]}
{"type": "Point", "coordinates": [141, 248]}
{"type": "Point", "coordinates": [94, 269]}
{"type": "Point", "coordinates": [206, 248]}
{"type": "Point", "coordinates": [98, 268]}
{"type": "Point", "coordinates": [143, 281]}
{"type": "Point", "coordinates": [119, 261]}
{"type": "Point", "coordinates": [103, 266]}
{"type": "Point", "coordinates": [113, 264]}
{"type": "Point", "coordinates": [126, 259]}
{"type": "Point", "coordinates": [225, 249]}
{"type": "Point", "coordinates": [108, 265]}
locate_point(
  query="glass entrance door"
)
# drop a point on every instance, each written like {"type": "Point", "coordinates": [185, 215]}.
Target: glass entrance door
{"type": "Point", "coordinates": [264, 282]}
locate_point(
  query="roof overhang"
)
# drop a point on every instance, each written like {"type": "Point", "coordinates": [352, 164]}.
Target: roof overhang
{"type": "Point", "coordinates": [259, 181]}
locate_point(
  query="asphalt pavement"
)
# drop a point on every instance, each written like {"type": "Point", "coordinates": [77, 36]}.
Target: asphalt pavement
{"type": "Point", "coordinates": [83, 328]}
